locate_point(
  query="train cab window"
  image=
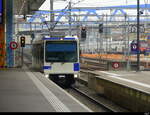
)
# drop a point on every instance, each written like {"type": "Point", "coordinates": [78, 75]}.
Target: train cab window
{"type": "Point", "coordinates": [61, 51]}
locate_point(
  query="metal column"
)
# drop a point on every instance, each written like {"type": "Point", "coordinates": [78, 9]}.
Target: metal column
{"type": "Point", "coordinates": [9, 32]}
{"type": "Point", "coordinates": [69, 8]}
{"type": "Point", "coordinates": [138, 35]}
{"type": "Point", "coordinates": [51, 14]}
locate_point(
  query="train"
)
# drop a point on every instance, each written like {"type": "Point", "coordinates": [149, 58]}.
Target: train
{"type": "Point", "coordinates": [57, 57]}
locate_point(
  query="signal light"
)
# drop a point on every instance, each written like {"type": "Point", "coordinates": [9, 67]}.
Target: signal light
{"type": "Point", "coordinates": [83, 33]}
{"type": "Point", "coordinates": [22, 41]}
{"type": "Point", "coordinates": [100, 28]}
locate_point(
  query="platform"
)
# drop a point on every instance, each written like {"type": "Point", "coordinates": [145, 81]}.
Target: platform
{"type": "Point", "coordinates": [24, 91]}
{"type": "Point", "coordinates": [129, 89]}
{"type": "Point", "coordinates": [136, 80]}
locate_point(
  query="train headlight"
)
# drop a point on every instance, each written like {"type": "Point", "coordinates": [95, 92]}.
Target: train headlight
{"type": "Point", "coordinates": [46, 75]}
{"type": "Point", "coordinates": [75, 76]}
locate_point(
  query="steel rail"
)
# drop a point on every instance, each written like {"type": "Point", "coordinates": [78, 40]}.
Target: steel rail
{"type": "Point", "coordinates": [107, 108]}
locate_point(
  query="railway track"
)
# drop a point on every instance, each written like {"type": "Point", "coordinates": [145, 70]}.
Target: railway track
{"type": "Point", "coordinates": [101, 105]}
{"type": "Point", "coordinates": [93, 64]}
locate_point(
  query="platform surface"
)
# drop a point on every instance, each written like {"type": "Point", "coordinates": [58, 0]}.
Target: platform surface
{"type": "Point", "coordinates": [136, 80]}
{"type": "Point", "coordinates": [24, 91]}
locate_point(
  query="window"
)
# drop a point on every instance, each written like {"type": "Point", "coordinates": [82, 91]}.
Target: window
{"type": "Point", "coordinates": [61, 51]}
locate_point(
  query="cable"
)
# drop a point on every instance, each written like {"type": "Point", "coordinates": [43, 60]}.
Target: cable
{"type": "Point", "coordinates": [126, 2]}
{"type": "Point", "coordinates": [65, 9]}
{"type": "Point", "coordinates": [23, 4]}
{"type": "Point", "coordinates": [58, 21]}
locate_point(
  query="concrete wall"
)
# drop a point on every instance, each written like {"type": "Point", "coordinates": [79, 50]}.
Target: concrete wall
{"type": "Point", "coordinates": [131, 99]}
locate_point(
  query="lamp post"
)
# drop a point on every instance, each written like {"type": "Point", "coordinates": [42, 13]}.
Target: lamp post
{"type": "Point", "coordinates": [138, 35]}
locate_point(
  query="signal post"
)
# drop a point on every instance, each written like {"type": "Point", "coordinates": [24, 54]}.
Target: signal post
{"type": "Point", "coordinates": [22, 44]}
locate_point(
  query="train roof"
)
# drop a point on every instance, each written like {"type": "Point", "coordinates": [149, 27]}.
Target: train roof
{"type": "Point", "coordinates": [60, 38]}
{"type": "Point", "coordinates": [48, 37]}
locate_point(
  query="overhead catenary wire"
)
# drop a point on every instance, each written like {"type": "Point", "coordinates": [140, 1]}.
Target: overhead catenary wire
{"type": "Point", "coordinates": [63, 10]}
{"type": "Point", "coordinates": [22, 6]}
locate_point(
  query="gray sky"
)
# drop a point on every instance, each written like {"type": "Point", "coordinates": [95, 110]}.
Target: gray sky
{"type": "Point", "coordinates": [58, 4]}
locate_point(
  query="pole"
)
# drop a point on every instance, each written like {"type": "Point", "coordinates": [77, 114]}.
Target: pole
{"type": "Point", "coordinates": [97, 44]}
{"type": "Point", "coordinates": [9, 32]}
{"type": "Point", "coordinates": [127, 42]}
{"type": "Point", "coordinates": [106, 35]}
{"type": "Point", "coordinates": [125, 50]}
{"type": "Point", "coordinates": [22, 58]}
{"type": "Point", "coordinates": [138, 35]}
{"type": "Point", "coordinates": [128, 45]}
{"type": "Point", "coordinates": [69, 17]}
{"type": "Point", "coordinates": [51, 14]}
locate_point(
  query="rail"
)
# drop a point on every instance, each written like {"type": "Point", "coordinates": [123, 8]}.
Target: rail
{"type": "Point", "coordinates": [107, 108]}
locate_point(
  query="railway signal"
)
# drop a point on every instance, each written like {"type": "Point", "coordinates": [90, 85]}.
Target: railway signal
{"type": "Point", "coordinates": [100, 28]}
{"type": "Point", "coordinates": [83, 33]}
{"type": "Point", "coordinates": [22, 41]}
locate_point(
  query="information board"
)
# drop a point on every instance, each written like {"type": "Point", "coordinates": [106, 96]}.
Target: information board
{"type": "Point", "coordinates": [1, 10]}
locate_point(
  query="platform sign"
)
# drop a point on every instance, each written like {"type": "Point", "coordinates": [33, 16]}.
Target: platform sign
{"type": "Point", "coordinates": [115, 65]}
{"type": "Point", "coordinates": [134, 47]}
{"type": "Point", "coordinates": [148, 37]}
{"type": "Point", "coordinates": [133, 28]}
{"type": "Point", "coordinates": [13, 45]}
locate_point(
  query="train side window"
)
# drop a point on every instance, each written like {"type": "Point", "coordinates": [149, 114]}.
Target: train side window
{"type": "Point", "coordinates": [42, 53]}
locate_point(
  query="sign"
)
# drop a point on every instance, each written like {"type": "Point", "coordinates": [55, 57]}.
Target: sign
{"type": "Point", "coordinates": [115, 65]}
{"type": "Point", "coordinates": [133, 28]}
{"type": "Point", "coordinates": [13, 45]}
{"type": "Point", "coordinates": [134, 47]}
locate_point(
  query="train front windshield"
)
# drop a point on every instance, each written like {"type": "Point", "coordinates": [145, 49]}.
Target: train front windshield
{"type": "Point", "coordinates": [61, 51]}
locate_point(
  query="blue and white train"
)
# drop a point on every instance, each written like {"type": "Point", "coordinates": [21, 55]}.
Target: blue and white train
{"type": "Point", "coordinates": [57, 57]}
